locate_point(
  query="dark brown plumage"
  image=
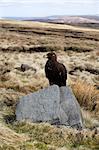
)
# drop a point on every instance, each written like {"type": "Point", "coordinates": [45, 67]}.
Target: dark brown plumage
{"type": "Point", "coordinates": [55, 71]}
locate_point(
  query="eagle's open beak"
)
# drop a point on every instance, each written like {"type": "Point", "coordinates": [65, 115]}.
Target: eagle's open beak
{"type": "Point", "coordinates": [45, 56]}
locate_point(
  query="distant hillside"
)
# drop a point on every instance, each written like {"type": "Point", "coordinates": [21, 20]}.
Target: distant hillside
{"type": "Point", "coordinates": [61, 19]}
{"type": "Point", "coordinates": [75, 19]}
{"type": "Point", "coordinates": [83, 21]}
{"type": "Point", "coordinates": [92, 17]}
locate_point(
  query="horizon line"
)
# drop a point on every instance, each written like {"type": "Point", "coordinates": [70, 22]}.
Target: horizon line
{"type": "Point", "coordinates": [50, 16]}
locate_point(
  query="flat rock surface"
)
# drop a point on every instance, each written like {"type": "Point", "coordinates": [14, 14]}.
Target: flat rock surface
{"type": "Point", "coordinates": [39, 106]}
{"type": "Point", "coordinates": [56, 105]}
{"type": "Point", "coordinates": [70, 108]}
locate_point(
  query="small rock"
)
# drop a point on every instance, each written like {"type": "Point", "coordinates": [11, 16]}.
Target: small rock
{"type": "Point", "coordinates": [25, 67]}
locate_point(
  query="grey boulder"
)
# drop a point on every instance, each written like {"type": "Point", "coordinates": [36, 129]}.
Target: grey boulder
{"type": "Point", "coordinates": [56, 105]}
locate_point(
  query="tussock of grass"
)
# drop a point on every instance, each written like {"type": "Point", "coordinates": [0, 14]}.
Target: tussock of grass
{"type": "Point", "coordinates": [19, 88]}
{"type": "Point", "coordinates": [9, 137]}
{"type": "Point", "coordinates": [87, 95]}
{"type": "Point", "coordinates": [29, 136]}
{"type": "Point", "coordinates": [46, 134]}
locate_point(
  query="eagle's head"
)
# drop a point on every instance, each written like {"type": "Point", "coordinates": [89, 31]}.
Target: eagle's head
{"type": "Point", "coordinates": [52, 56]}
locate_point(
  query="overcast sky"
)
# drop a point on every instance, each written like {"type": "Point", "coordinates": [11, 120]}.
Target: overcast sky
{"type": "Point", "coordinates": [36, 8]}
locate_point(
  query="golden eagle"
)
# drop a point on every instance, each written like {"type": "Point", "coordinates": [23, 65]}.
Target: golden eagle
{"type": "Point", "coordinates": [55, 71]}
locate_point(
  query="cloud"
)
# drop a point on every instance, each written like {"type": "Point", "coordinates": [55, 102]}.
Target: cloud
{"type": "Point", "coordinates": [27, 2]}
{"type": "Point", "coordinates": [47, 7]}
{"type": "Point", "coordinates": [46, 1]}
{"type": "Point", "coordinates": [4, 3]}
{"type": "Point", "coordinates": [22, 2]}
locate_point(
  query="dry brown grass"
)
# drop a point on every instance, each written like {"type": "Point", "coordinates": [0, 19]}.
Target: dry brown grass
{"type": "Point", "coordinates": [46, 134]}
{"type": "Point", "coordinates": [97, 53]}
{"type": "Point", "coordinates": [27, 38]}
{"type": "Point", "coordinates": [87, 95]}
{"type": "Point", "coordinates": [10, 137]}
{"type": "Point", "coordinates": [30, 37]}
{"type": "Point", "coordinates": [18, 88]}
{"type": "Point", "coordinates": [44, 25]}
